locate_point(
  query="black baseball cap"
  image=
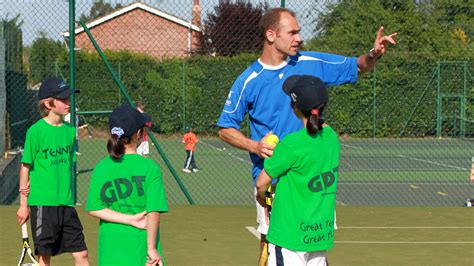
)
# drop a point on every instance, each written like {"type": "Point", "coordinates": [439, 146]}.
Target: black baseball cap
{"type": "Point", "coordinates": [55, 88]}
{"type": "Point", "coordinates": [125, 121]}
{"type": "Point", "coordinates": [306, 92]}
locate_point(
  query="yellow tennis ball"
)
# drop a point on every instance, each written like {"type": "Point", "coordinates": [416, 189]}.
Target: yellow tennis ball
{"type": "Point", "coordinates": [272, 140]}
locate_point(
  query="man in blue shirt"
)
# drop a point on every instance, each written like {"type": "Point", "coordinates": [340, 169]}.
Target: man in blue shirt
{"type": "Point", "coordinates": [258, 90]}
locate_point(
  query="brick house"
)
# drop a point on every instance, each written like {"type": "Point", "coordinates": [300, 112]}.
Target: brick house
{"type": "Point", "coordinates": [141, 28]}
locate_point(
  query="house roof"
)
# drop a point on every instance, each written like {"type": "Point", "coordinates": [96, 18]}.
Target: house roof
{"type": "Point", "coordinates": [132, 7]}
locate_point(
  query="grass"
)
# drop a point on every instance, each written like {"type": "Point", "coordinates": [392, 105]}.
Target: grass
{"type": "Point", "coordinates": [216, 235]}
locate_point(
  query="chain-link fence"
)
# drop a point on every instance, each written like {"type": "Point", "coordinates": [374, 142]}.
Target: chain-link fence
{"type": "Point", "coordinates": [406, 128]}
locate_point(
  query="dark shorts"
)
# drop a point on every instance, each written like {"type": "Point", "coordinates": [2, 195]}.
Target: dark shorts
{"type": "Point", "coordinates": [56, 230]}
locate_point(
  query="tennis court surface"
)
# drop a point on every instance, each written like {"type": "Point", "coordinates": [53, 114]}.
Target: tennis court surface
{"type": "Point", "coordinates": [217, 235]}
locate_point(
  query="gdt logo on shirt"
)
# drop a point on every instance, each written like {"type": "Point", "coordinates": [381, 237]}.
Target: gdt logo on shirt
{"type": "Point", "coordinates": [322, 181]}
{"type": "Point", "coordinates": [121, 188]}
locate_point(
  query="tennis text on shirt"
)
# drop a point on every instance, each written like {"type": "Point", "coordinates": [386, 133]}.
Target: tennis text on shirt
{"type": "Point", "coordinates": [49, 150]}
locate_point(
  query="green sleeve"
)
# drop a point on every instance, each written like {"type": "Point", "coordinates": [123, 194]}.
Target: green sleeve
{"type": "Point", "coordinates": [281, 161]}
{"type": "Point", "coordinates": [28, 150]}
{"type": "Point", "coordinates": [94, 202]}
{"type": "Point", "coordinates": [155, 192]}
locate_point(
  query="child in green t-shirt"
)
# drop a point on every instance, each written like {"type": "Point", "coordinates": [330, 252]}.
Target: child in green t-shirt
{"type": "Point", "coordinates": [126, 193]}
{"type": "Point", "coordinates": [45, 178]}
{"type": "Point", "coordinates": [305, 163]}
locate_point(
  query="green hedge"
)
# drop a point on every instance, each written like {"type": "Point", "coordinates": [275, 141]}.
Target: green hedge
{"type": "Point", "coordinates": [192, 91]}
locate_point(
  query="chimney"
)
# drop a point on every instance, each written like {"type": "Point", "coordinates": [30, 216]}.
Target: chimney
{"type": "Point", "coordinates": [196, 20]}
{"type": "Point", "coordinates": [196, 13]}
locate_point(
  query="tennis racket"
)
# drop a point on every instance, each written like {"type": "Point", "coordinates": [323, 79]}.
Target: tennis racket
{"type": "Point", "coordinates": [269, 195]}
{"type": "Point", "coordinates": [26, 249]}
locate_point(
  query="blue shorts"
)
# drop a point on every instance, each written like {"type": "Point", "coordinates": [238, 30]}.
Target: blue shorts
{"type": "Point", "coordinates": [56, 230]}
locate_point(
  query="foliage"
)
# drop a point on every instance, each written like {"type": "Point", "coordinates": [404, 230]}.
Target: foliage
{"type": "Point", "coordinates": [174, 91]}
{"type": "Point", "coordinates": [405, 91]}
{"type": "Point", "coordinates": [192, 91]}
{"type": "Point", "coordinates": [437, 28]}
{"type": "Point", "coordinates": [98, 9]}
{"type": "Point", "coordinates": [10, 30]}
{"type": "Point", "coordinates": [232, 28]}
{"type": "Point", "coordinates": [44, 53]}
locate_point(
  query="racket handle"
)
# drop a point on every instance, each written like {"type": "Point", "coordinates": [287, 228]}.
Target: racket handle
{"type": "Point", "coordinates": [24, 230]}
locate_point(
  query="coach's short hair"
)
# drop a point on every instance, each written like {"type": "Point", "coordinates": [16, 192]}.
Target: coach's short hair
{"type": "Point", "coordinates": [271, 19]}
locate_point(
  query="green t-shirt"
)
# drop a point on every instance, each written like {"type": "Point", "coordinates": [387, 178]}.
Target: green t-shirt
{"type": "Point", "coordinates": [302, 217]}
{"type": "Point", "coordinates": [131, 185]}
{"type": "Point", "coordinates": [49, 150]}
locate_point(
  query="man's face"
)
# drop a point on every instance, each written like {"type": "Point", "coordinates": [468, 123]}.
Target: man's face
{"type": "Point", "coordinates": [287, 39]}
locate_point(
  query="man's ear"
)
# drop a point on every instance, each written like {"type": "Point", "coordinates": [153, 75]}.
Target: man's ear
{"type": "Point", "coordinates": [271, 34]}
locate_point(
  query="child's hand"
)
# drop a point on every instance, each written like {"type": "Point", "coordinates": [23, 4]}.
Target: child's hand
{"type": "Point", "coordinates": [25, 191]}
{"type": "Point", "coordinates": [153, 258]}
{"type": "Point", "coordinates": [262, 202]}
{"type": "Point", "coordinates": [23, 214]}
{"type": "Point", "coordinates": [139, 220]}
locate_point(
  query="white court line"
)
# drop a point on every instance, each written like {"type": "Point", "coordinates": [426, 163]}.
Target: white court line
{"type": "Point", "coordinates": [431, 162]}
{"type": "Point", "coordinates": [434, 183]}
{"type": "Point", "coordinates": [254, 232]}
{"type": "Point", "coordinates": [404, 242]}
{"type": "Point", "coordinates": [230, 154]}
{"type": "Point", "coordinates": [407, 227]}
{"type": "Point", "coordinates": [351, 146]}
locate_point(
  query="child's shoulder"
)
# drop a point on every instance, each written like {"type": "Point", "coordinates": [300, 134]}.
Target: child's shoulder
{"type": "Point", "coordinates": [37, 124]}
{"type": "Point", "coordinates": [148, 162]}
{"type": "Point", "coordinates": [37, 127]}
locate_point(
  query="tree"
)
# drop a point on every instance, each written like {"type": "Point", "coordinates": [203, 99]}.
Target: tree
{"type": "Point", "coordinates": [424, 27]}
{"type": "Point", "coordinates": [98, 9]}
{"type": "Point", "coordinates": [10, 30]}
{"type": "Point", "coordinates": [43, 55]}
{"type": "Point", "coordinates": [232, 28]}
{"type": "Point", "coordinates": [429, 32]}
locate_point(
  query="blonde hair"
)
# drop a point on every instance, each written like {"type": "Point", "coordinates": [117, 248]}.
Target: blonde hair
{"type": "Point", "coordinates": [44, 111]}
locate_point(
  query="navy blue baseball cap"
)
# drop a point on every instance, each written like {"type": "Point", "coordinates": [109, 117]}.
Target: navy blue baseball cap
{"type": "Point", "coordinates": [55, 88]}
{"type": "Point", "coordinates": [306, 92]}
{"type": "Point", "coordinates": [125, 121]}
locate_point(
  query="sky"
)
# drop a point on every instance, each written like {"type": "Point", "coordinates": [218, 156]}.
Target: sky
{"type": "Point", "coordinates": [51, 16]}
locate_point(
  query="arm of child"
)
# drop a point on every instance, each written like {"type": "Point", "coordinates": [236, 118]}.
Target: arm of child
{"type": "Point", "coordinates": [138, 220]}
{"type": "Point", "coordinates": [153, 222]}
{"type": "Point", "coordinates": [263, 181]}
{"type": "Point", "coordinates": [23, 213]}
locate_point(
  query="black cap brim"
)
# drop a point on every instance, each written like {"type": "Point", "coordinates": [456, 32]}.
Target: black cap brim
{"type": "Point", "coordinates": [65, 94]}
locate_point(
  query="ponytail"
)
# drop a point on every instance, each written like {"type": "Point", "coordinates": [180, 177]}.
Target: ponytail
{"type": "Point", "coordinates": [116, 146]}
{"type": "Point", "coordinates": [315, 121]}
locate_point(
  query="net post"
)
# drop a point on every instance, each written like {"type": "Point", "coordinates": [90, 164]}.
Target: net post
{"type": "Point", "coordinates": [72, 86]}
